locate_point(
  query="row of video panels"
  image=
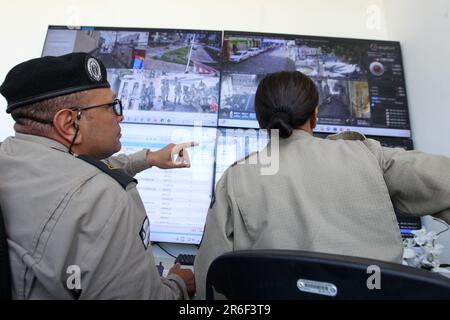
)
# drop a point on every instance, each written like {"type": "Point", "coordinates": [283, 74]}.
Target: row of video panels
{"type": "Point", "coordinates": [187, 77]}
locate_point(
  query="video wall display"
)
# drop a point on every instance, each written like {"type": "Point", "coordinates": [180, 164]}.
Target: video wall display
{"type": "Point", "coordinates": [360, 82]}
{"type": "Point", "coordinates": [162, 76]}
{"type": "Point", "coordinates": [181, 85]}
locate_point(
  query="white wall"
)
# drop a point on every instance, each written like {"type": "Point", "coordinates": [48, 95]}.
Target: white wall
{"type": "Point", "coordinates": [424, 31]}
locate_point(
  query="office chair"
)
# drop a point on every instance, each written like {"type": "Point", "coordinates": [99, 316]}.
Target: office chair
{"type": "Point", "coordinates": [289, 275]}
{"type": "Point", "coordinates": [5, 269]}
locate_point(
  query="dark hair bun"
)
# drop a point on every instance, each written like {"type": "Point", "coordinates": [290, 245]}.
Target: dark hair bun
{"type": "Point", "coordinates": [285, 100]}
{"type": "Point", "coordinates": [280, 121]}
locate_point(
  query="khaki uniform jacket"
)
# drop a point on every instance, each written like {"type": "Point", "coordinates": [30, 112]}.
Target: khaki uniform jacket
{"type": "Point", "coordinates": [330, 196]}
{"type": "Point", "coordinates": [63, 213]}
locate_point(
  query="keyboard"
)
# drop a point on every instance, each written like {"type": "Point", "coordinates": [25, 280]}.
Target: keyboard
{"type": "Point", "coordinates": [185, 259]}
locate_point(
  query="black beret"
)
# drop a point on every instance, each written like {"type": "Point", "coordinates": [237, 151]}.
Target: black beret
{"type": "Point", "coordinates": [48, 77]}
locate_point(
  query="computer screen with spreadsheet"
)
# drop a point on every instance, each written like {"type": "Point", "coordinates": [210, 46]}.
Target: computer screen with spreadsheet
{"type": "Point", "coordinates": [176, 201]}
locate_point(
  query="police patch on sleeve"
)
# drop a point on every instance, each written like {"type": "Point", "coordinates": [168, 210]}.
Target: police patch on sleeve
{"type": "Point", "coordinates": [145, 233]}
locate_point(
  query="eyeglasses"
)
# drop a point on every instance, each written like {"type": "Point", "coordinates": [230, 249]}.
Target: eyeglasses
{"type": "Point", "coordinates": [116, 105]}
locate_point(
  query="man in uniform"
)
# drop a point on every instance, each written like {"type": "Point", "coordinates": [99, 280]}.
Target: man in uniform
{"type": "Point", "coordinates": [76, 226]}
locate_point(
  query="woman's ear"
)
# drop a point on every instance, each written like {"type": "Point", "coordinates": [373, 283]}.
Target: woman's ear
{"type": "Point", "coordinates": [66, 123]}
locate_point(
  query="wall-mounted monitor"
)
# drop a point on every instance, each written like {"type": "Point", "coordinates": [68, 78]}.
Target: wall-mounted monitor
{"type": "Point", "coordinates": [360, 82]}
{"type": "Point", "coordinates": [176, 201]}
{"type": "Point", "coordinates": [162, 76]}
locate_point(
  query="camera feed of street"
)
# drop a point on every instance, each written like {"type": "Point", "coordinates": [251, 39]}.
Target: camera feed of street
{"type": "Point", "coordinates": [237, 97]}
{"type": "Point", "coordinates": [162, 75]}
{"type": "Point", "coordinates": [338, 69]}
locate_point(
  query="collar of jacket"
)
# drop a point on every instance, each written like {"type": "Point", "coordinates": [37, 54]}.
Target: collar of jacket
{"type": "Point", "coordinates": [42, 140]}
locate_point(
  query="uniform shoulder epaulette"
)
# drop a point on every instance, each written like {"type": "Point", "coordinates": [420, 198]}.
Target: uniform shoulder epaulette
{"type": "Point", "coordinates": [347, 135]}
{"type": "Point", "coordinates": [119, 175]}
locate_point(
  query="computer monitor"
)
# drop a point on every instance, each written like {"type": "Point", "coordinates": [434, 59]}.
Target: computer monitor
{"type": "Point", "coordinates": [176, 201]}
{"type": "Point", "coordinates": [360, 82]}
{"type": "Point", "coordinates": [162, 76]}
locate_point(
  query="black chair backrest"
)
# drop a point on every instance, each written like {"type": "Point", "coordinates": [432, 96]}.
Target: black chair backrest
{"type": "Point", "coordinates": [287, 274]}
{"type": "Point", "coordinates": [5, 269]}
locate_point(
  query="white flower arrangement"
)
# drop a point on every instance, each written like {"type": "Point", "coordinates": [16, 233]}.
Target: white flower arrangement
{"type": "Point", "coordinates": [422, 252]}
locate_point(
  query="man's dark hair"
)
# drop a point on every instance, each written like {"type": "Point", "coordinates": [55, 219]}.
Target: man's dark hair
{"type": "Point", "coordinates": [285, 101]}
